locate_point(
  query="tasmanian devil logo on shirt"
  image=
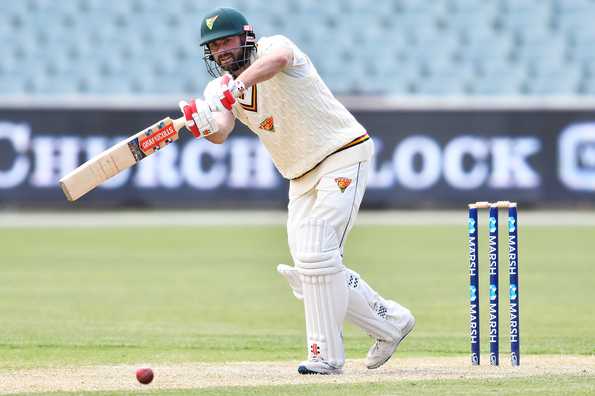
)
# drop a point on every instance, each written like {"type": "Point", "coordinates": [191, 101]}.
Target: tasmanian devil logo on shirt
{"type": "Point", "coordinates": [267, 124]}
{"type": "Point", "coordinates": [343, 183]}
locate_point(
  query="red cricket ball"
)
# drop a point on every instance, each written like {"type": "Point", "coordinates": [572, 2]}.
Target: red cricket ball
{"type": "Point", "coordinates": [144, 375]}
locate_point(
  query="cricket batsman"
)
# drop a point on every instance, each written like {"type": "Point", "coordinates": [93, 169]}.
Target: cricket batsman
{"type": "Point", "coordinates": [273, 88]}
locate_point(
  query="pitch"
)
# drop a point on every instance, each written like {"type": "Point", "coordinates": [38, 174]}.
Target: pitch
{"type": "Point", "coordinates": [205, 308]}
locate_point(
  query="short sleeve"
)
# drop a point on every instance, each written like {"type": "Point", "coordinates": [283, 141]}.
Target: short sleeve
{"type": "Point", "coordinates": [300, 66]}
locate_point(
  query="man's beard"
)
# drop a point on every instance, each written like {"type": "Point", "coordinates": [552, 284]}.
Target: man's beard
{"type": "Point", "coordinates": [233, 65]}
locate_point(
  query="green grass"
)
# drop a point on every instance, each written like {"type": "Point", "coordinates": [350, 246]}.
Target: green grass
{"type": "Point", "coordinates": [107, 296]}
{"type": "Point", "coordinates": [516, 386]}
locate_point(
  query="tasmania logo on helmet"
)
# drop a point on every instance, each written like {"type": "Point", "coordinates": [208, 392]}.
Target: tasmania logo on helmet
{"type": "Point", "coordinates": [210, 21]}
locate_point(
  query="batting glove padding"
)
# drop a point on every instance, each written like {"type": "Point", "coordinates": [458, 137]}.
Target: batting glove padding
{"type": "Point", "coordinates": [199, 117]}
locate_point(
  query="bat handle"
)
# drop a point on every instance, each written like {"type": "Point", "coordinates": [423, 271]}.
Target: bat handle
{"type": "Point", "coordinates": [179, 123]}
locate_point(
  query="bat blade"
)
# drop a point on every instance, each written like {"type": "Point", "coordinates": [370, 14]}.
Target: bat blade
{"type": "Point", "coordinates": [120, 157]}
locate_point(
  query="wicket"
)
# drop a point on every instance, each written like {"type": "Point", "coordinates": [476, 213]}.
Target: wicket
{"type": "Point", "coordinates": [493, 290]}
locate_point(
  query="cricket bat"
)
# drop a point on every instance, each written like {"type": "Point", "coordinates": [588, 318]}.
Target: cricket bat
{"type": "Point", "coordinates": [130, 151]}
{"type": "Point", "coordinates": [119, 157]}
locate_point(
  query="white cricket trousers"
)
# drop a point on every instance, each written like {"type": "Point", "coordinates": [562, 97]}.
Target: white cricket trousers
{"type": "Point", "coordinates": [336, 199]}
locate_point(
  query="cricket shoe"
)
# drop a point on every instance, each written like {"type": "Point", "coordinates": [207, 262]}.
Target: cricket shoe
{"type": "Point", "coordinates": [318, 366]}
{"type": "Point", "coordinates": [382, 350]}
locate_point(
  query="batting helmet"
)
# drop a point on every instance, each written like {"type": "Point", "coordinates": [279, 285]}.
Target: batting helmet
{"type": "Point", "coordinates": [225, 22]}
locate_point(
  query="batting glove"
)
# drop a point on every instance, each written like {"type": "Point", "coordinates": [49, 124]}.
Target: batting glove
{"type": "Point", "coordinates": [229, 90]}
{"type": "Point", "coordinates": [199, 117]}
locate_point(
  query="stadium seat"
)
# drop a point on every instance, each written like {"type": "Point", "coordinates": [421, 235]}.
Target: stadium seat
{"type": "Point", "coordinates": [156, 6]}
{"type": "Point", "coordinates": [362, 9]}
{"type": "Point", "coordinates": [536, 34]}
{"type": "Point", "coordinates": [61, 82]}
{"type": "Point", "coordinates": [546, 66]}
{"type": "Point", "coordinates": [14, 7]}
{"type": "Point", "coordinates": [574, 6]}
{"type": "Point", "coordinates": [393, 87]}
{"type": "Point", "coordinates": [401, 41]}
{"type": "Point", "coordinates": [499, 78]}
{"type": "Point", "coordinates": [455, 6]}
{"type": "Point", "coordinates": [565, 82]}
{"type": "Point", "coordinates": [426, 50]}
{"type": "Point", "coordinates": [573, 23]}
{"type": "Point", "coordinates": [589, 70]}
{"type": "Point", "coordinates": [440, 86]}
{"type": "Point", "coordinates": [415, 6]}
{"type": "Point", "coordinates": [490, 87]}
{"type": "Point", "coordinates": [485, 49]}
{"type": "Point", "coordinates": [461, 71]}
{"type": "Point", "coordinates": [109, 8]}
{"type": "Point", "coordinates": [11, 84]}
{"type": "Point", "coordinates": [409, 23]}
{"type": "Point", "coordinates": [582, 37]}
{"type": "Point", "coordinates": [406, 71]}
{"type": "Point", "coordinates": [467, 25]}
{"type": "Point", "coordinates": [108, 86]}
{"type": "Point", "coordinates": [163, 84]}
{"type": "Point", "coordinates": [521, 20]}
{"type": "Point", "coordinates": [524, 6]}
{"type": "Point", "coordinates": [588, 87]}
{"type": "Point", "coordinates": [514, 73]}
{"type": "Point", "coordinates": [582, 53]}
{"type": "Point", "coordinates": [303, 6]}
{"type": "Point", "coordinates": [547, 47]}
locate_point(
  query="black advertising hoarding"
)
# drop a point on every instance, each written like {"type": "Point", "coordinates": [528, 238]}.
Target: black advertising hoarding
{"type": "Point", "coordinates": [425, 158]}
{"type": "Point", "coordinates": [441, 158]}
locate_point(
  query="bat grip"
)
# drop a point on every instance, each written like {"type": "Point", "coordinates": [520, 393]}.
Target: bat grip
{"type": "Point", "coordinates": [179, 123]}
